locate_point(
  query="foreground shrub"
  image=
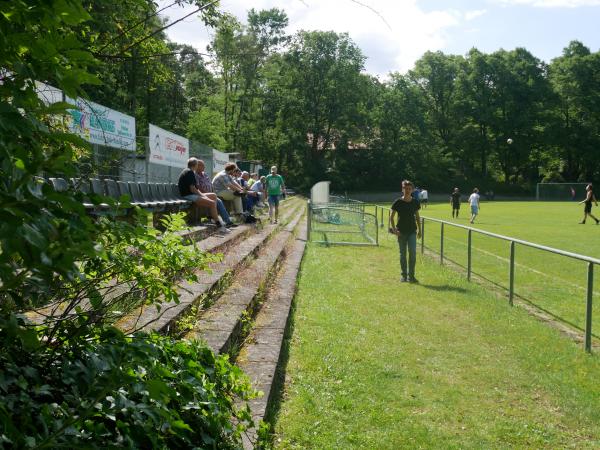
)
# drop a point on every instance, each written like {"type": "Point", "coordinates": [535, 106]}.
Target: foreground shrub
{"type": "Point", "coordinates": [109, 390]}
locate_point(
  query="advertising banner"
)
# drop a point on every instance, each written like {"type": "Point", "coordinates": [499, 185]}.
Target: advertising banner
{"type": "Point", "coordinates": [48, 94]}
{"type": "Point", "coordinates": [101, 125]}
{"type": "Point", "coordinates": [167, 148]}
{"type": "Point", "coordinates": [219, 161]}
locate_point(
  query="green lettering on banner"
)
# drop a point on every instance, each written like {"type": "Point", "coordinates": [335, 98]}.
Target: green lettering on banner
{"type": "Point", "coordinates": [102, 123]}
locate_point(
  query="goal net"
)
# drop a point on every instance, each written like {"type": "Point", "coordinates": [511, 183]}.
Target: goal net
{"type": "Point", "coordinates": [561, 192]}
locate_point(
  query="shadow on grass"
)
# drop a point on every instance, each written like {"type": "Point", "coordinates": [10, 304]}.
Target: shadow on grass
{"type": "Point", "coordinates": [443, 288]}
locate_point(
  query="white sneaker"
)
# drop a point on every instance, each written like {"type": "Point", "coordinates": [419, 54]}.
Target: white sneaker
{"type": "Point", "coordinates": [223, 230]}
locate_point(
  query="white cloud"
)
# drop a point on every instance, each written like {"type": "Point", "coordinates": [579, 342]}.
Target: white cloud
{"type": "Point", "coordinates": [392, 34]}
{"type": "Point", "coordinates": [551, 3]}
{"type": "Point", "coordinates": [470, 15]}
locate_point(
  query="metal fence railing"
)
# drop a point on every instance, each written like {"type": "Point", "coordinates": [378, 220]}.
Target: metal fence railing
{"type": "Point", "coordinates": [440, 236]}
{"type": "Point", "coordinates": [342, 223]}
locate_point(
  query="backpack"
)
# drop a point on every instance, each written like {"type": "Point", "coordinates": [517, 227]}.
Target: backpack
{"type": "Point", "coordinates": [250, 219]}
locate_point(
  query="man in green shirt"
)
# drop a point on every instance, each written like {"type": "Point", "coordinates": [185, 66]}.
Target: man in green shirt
{"type": "Point", "coordinates": [274, 188]}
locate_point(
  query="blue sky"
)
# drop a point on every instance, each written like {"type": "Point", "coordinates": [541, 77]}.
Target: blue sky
{"type": "Point", "coordinates": [393, 34]}
{"type": "Point", "coordinates": [544, 31]}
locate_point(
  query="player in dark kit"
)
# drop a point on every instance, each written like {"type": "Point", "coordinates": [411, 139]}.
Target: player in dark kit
{"type": "Point", "coordinates": [455, 202]}
{"type": "Point", "coordinates": [589, 198]}
{"type": "Point", "coordinates": [408, 230]}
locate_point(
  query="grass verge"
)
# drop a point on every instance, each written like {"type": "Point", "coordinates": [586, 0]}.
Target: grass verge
{"type": "Point", "coordinates": [374, 363]}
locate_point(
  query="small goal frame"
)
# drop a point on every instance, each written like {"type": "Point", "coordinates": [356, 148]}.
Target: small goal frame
{"type": "Point", "coordinates": [537, 186]}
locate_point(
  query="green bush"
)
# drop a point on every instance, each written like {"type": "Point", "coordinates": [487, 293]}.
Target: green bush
{"type": "Point", "coordinates": [107, 390]}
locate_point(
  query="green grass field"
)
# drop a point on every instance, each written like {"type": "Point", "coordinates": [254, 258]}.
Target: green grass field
{"type": "Point", "coordinates": [553, 283]}
{"type": "Point", "coordinates": [378, 364]}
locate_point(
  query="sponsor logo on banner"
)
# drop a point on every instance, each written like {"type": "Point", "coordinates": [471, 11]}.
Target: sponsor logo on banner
{"type": "Point", "coordinates": [219, 161]}
{"type": "Point", "coordinates": [167, 148]}
{"type": "Point", "coordinates": [101, 125]}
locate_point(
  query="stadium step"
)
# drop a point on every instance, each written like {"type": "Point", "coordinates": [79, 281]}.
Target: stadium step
{"type": "Point", "coordinates": [236, 248]}
{"type": "Point", "coordinates": [220, 326]}
{"type": "Point", "coordinates": [248, 319]}
{"type": "Point", "coordinates": [261, 356]}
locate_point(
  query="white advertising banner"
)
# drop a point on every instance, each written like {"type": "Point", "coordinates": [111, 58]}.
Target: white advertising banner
{"type": "Point", "coordinates": [101, 125]}
{"type": "Point", "coordinates": [48, 94]}
{"type": "Point", "coordinates": [167, 148]}
{"type": "Point", "coordinates": [219, 161]}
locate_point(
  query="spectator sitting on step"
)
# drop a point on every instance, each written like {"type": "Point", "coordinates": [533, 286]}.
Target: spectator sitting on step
{"type": "Point", "coordinates": [259, 188]}
{"type": "Point", "coordinates": [252, 196]}
{"type": "Point", "coordinates": [237, 176]}
{"type": "Point", "coordinates": [189, 191]}
{"type": "Point", "coordinates": [205, 186]}
{"type": "Point", "coordinates": [242, 181]}
{"type": "Point", "coordinates": [253, 179]}
{"type": "Point", "coordinates": [228, 189]}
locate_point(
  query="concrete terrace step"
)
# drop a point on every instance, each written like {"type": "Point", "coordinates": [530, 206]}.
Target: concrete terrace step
{"type": "Point", "coordinates": [220, 325]}
{"type": "Point", "coordinates": [236, 247]}
{"type": "Point", "coordinates": [261, 356]}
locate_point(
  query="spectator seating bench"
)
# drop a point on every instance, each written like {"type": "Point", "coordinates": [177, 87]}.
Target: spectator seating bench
{"type": "Point", "coordinates": [157, 198]}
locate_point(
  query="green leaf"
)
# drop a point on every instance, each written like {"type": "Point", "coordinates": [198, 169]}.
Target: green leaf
{"type": "Point", "coordinates": [180, 425]}
{"type": "Point", "coordinates": [29, 338]}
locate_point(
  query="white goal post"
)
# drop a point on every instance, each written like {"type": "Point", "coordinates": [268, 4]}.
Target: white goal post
{"type": "Point", "coordinates": [560, 191]}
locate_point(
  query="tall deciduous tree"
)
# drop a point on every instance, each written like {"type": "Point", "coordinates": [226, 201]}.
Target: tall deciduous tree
{"type": "Point", "coordinates": [575, 77]}
{"type": "Point", "coordinates": [325, 89]}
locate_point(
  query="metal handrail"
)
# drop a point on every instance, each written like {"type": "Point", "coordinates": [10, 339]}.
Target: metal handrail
{"type": "Point", "coordinates": [588, 259]}
{"type": "Point", "coordinates": [520, 241]}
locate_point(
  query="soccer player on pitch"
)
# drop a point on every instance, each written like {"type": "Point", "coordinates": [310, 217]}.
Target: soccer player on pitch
{"type": "Point", "coordinates": [589, 198]}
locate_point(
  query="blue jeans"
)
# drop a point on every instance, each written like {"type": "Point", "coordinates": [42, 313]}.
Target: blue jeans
{"type": "Point", "coordinates": [223, 211]}
{"type": "Point", "coordinates": [410, 241]}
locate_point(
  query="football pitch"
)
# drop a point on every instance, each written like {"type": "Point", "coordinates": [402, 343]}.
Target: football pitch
{"type": "Point", "coordinates": [376, 363]}
{"type": "Point", "coordinates": [553, 283]}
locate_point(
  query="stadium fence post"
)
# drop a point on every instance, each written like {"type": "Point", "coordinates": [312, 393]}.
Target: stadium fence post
{"type": "Point", "coordinates": [308, 221]}
{"type": "Point", "coordinates": [511, 277]}
{"type": "Point", "coordinates": [376, 227]}
{"type": "Point", "coordinates": [588, 312]}
{"type": "Point", "coordinates": [422, 235]}
{"type": "Point", "coordinates": [469, 240]}
{"type": "Point", "coordinates": [442, 244]}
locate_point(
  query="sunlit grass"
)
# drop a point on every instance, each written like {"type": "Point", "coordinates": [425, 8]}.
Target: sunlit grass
{"type": "Point", "coordinates": [554, 283]}
{"type": "Point", "coordinates": [379, 364]}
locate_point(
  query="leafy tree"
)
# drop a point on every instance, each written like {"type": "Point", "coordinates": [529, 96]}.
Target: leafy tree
{"type": "Point", "coordinates": [240, 56]}
{"type": "Point", "coordinates": [324, 90]}
{"type": "Point", "coordinates": [520, 91]}
{"type": "Point", "coordinates": [71, 380]}
{"type": "Point", "coordinates": [475, 104]}
{"type": "Point", "coordinates": [435, 74]}
{"type": "Point", "coordinates": [574, 77]}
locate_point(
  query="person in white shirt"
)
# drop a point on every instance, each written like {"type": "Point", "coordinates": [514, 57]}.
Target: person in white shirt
{"type": "Point", "coordinates": [474, 202]}
{"type": "Point", "coordinates": [424, 198]}
{"type": "Point", "coordinates": [227, 188]}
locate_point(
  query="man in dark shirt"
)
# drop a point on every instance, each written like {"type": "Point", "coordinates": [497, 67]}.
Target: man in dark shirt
{"type": "Point", "coordinates": [408, 230]}
{"type": "Point", "coordinates": [189, 191]}
{"type": "Point", "coordinates": [455, 202]}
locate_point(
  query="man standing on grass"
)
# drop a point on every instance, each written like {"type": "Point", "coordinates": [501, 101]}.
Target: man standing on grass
{"type": "Point", "coordinates": [275, 187]}
{"type": "Point", "coordinates": [455, 202]}
{"type": "Point", "coordinates": [408, 230]}
{"type": "Point", "coordinates": [589, 198]}
{"type": "Point", "coordinates": [474, 202]}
